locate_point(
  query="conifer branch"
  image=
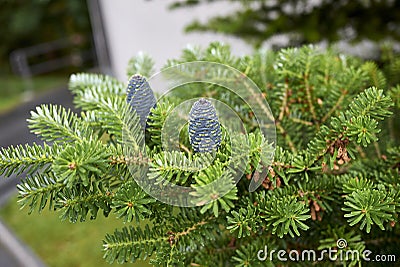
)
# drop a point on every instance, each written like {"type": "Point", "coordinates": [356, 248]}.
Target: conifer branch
{"type": "Point", "coordinates": [38, 190]}
{"type": "Point", "coordinates": [54, 123]}
{"type": "Point", "coordinates": [26, 158]}
{"type": "Point", "coordinates": [335, 107]}
{"type": "Point", "coordinates": [333, 161]}
{"type": "Point", "coordinates": [81, 82]}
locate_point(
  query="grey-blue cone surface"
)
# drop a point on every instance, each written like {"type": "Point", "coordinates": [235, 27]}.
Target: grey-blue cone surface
{"type": "Point", "coordinates": [141, 97]}
{"type": "Point", "coordinates": [204, 127]}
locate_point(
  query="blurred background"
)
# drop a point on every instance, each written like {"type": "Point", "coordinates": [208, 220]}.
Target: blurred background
{"type": "Point", "coordinates": [44, 41]}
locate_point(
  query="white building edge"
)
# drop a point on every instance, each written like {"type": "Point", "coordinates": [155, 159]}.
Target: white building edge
{"type": "Point", "coordinates": [123, 28]}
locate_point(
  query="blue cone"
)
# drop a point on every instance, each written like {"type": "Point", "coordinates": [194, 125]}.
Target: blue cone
{"type": "Point", "coordinates": [204, 128]}
{"type": "Point", "coordinates": [140, 97]}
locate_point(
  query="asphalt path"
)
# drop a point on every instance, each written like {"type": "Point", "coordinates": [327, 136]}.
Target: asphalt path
{"type": "Point", "coordinates": [14, 131]}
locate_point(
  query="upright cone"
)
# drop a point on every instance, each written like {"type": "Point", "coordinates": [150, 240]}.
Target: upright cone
{"type": "Point", "coordinates": [140, 97]}
{"type": "Point", "coordinates": [204, 128]}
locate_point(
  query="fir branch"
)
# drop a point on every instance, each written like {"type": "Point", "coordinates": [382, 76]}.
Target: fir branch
{"type": "Point", "coordinates": [76, 202]}
{"type": "Point", "coordinates": [376, 76]}
{"type": "Point", "coordinates": [156, 120]}
{"type": "Point", "coordinates": [244, 222]}
{"type": "Point", "coordinates": [55, 123]}
{"type": "Point", "coordinates": [81, 82]}
{"type": "Point", "coordinates": [78, 162]}
{"type": "Point", "coordinates": [126, 161]}
{"type": "Point", "coordinates": [130, 201]}
{"type": "Point", "coordinates": [395, 94]}
{"type": "Point", "coordinates": [127, 245]}
{"type": "Point", "coordinates": [284, 106]}
{"type": "Point", "coordinates": [223, 192]}
{"type": "Point", "coordinates": [309, 95]}
{"type": "Point", "coordinates": [369, 207]}
{"type": "Point", "coordinates": [287, 137]}
{"type": "Point", "coordinates": [38, 190]}
{"type": "Point", "coordinates": [297, 120]}
{"type": "Point", "coordinates": [114, 115]}
{"type": "Point", "coordinates": [338, 103]}
{"type": "Point", "coordinates": [354, 124]}
{"type": "Point", "coordinates": [26, 158]}
{"type": "Point", "coordinates": [190, 227]}
{"type": "Point", "coordinates": [285, 215]}
{"type": "Point", "coordinates": [371, 102]}
{"type": "Point", "coordinates": [324, 172]}
{"type": "Point", "coordinates": [175, 166]}
{"type": "Point", "coordinates": [142, 63]}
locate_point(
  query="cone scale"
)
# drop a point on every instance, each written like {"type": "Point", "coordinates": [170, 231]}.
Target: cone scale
{"type": "Point", "coordinates": [140, 97]}
{"type": "Point", "coordinates": [204, 127]}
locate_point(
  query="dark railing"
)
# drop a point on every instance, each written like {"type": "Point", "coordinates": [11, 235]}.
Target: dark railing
{"type": "Point", "coordinates": [28, 62]}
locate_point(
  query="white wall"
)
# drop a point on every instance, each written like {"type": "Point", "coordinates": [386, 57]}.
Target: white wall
{"type": "Point", "coordinates": [139, 25]}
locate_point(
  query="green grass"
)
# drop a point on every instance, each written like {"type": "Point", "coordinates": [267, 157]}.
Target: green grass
{"type": "Point", "coordinates": [62, 244]}
{"type": "Point", "coordinates": [12, 88]}
{"type": "Point", "coordinates": [8, 103]}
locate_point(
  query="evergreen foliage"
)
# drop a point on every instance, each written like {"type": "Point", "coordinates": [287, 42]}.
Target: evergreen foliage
{"type": "Point", "coordinates": [28, 23]}
{"type": "Point", "coordinates": [335, 174]}
{"type": "Point", "coordinates": [302, 21]}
